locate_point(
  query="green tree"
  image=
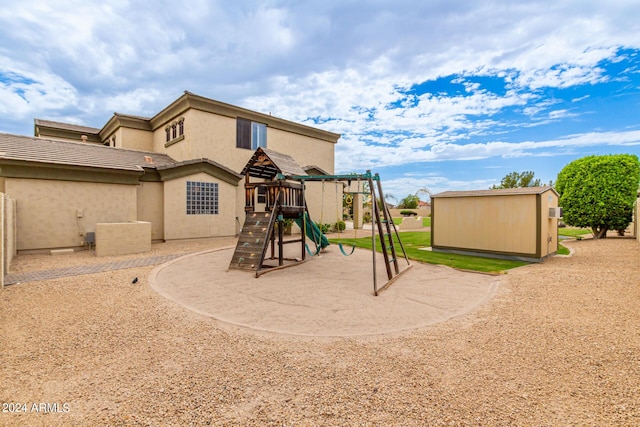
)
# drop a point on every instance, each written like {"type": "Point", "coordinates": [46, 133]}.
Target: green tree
{"type": "Point", "coordinates": [598, 192]}
{"type": "Point", "coordinates": [518, 180]}
{"type": "Point", "coordinates": [409, 202]}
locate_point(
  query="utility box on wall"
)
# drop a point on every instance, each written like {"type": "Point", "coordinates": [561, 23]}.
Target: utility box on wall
{"type": "Point", "coordinates": [513, 223]}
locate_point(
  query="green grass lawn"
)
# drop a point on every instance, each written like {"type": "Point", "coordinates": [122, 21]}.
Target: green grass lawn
{"type": "Point", "coordinates": [426, 221]}
{"type": "Point", "coordinates": [414, 240]}
{"type": "Point", "coordinates": [573, 232]}
{"type": "Point", "coordinates": [563, 250]}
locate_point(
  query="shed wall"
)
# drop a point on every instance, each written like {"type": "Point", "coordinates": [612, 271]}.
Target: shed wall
{"type": "Point", "coordinates": [548, 226]}
{"type": "Point", "coordinates": [490, 223]}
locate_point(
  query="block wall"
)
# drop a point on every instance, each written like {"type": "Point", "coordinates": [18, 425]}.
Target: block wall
{"type": "Point", "coordinates": [123, 238]}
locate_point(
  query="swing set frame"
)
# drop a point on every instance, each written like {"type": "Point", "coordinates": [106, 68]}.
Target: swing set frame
{"type": "Point", "coordinates": [381, 222]}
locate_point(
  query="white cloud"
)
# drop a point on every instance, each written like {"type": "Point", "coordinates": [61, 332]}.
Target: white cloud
{"type": "Point", "coordinates": [24, 94]}
{"type": "Point", "coordinates": [342, 65]}
{"type": "Point", "coordinates": [353, 154]}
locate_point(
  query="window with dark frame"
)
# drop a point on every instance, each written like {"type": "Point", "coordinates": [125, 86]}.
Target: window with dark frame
{"type": "Point", "coordinates": [202, 198]}
{"type": "Point", "coordinates": [262, 194]}
{"type": "Point", "coordinates": [250, 135]}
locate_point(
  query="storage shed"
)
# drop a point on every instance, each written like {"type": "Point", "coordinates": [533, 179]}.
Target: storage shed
{"type": "Point", "coordinates": [512, 223]}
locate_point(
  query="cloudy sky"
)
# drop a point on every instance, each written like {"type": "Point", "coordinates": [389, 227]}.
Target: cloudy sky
{"type": "Point", "coordinates": [448, 95]}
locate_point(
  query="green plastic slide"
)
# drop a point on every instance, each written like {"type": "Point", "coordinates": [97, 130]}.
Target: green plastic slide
{"type": "Point", "coordinates": [313, 232]}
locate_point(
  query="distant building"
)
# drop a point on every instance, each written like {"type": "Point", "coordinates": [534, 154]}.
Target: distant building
{"type": "Point", "coordinates": [424, 205]}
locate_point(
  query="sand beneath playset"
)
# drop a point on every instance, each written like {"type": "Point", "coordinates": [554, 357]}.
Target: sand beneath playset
{"type": "Point", "coordinates": [327, 295]}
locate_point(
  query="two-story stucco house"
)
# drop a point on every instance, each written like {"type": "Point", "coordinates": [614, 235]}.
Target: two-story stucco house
{"type": "Point", "coordinates": [178, 170]}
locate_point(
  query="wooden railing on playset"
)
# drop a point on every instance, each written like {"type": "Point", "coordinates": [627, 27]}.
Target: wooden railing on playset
{"type": "Point", "coordinates": [291, 196]}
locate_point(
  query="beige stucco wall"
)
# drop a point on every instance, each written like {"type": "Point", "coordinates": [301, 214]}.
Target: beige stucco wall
{"type": "Point", "coordinates": [322, 208]}
{"type": "Point", "coordinates": [305, 150]}
{"type": "Point", "coordinates": [151, 207]}
{"type": "Point", "coordinates": [214, 137]}
{"type": "Point", "coordinates": [123, 238]}
{"type": "Point", "coordinates": [47, 210]}
{"type": "Point", "coordinates": [179, 225]}
{"type": "Point", "coordinates": [182, 149]}
{"type": "Point", "coordinates": [134, 139]}
{"type": "Point", "coordinates": [489, 223]}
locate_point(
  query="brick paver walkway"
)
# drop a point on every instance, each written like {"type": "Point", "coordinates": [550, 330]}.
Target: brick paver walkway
{"type": "Point", "coordinates": [12, 279]}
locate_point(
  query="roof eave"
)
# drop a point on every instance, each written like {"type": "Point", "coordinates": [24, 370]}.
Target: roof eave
{"type": "Point", "coordinates": [124, 121]}
{"type": "Point", "coordinates": [10, 168]}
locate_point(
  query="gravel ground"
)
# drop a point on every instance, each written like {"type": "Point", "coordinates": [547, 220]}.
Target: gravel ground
{"type": "Point", "coordinates": [557, 346]}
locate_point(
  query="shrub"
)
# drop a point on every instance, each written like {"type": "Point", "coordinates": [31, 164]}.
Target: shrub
{"type": "Point", "coordinates": [324, 228]}
{"type": "Point", "coordinates": [408, 213]}
{"type": "Point", "coordinates": [339, 226]}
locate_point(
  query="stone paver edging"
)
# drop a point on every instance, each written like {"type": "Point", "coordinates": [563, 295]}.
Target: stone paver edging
{"type": "Point", "coordinates": [56, 273]}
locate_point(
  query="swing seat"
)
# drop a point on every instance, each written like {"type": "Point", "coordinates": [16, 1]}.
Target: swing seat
{"type": "Point", "coordinates": [310, 252]}
{"type": "Point", "coordinates": [353, 248]}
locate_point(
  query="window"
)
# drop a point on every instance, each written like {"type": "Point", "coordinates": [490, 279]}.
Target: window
{"type": "Point", "coordinates": [202, 198]}
{"type": "Point", "coordinates": [174, 131]}
{"type": "Point", "coordinates": [250, 135]}
{"type": "Point", "coordinates": [262, 194]}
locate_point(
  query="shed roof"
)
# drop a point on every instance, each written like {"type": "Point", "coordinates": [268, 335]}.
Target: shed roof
{"type": "Point", "coordinates": [497, 192]}
{"type": "Point", "coordinates": [29, 149]}
{"type": "Point", "coordinates": [267, 164]}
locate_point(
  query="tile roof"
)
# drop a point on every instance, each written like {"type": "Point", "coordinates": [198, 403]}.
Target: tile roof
{"type": "Point", "coordinates": [66, 126]}
{"type": "Point", "coordinates": [30, 149]}
{"type": "Point", "coordinates": [497, 192]}
{"type": "Point", "coordinates": [196, 161]}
